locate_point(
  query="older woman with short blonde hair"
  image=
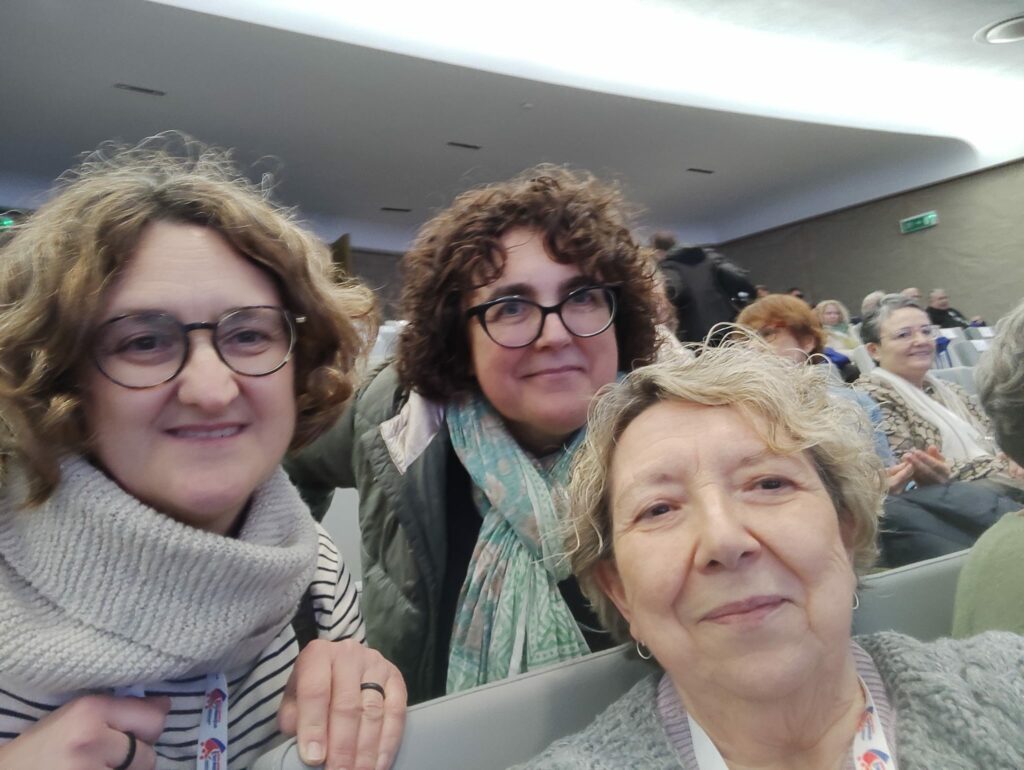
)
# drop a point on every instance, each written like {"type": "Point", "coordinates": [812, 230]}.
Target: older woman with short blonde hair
{"type": "Point", "coordinates": [721, 521]}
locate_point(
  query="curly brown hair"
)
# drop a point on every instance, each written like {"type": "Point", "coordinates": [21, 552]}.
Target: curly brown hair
{"type": "Point", "coordinates": [786, 312]}
{"type": "Point", "coordinates": [54, 272]}
{"type": "Point", "coordinates": [583, 222]}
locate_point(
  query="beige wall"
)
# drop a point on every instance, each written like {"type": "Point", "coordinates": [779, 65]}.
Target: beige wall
{"type": "Point", "coordinates": [976, 251]}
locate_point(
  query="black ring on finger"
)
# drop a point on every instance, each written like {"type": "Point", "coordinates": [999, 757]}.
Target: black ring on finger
{"type": "Point", "coordinates": [126, 763]}
{"type": "Point", "coordinates": [372, 686]}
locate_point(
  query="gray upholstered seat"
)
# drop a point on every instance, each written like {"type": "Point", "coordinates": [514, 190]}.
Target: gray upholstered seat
{"type": "Point", "coordinates": [508, 722]}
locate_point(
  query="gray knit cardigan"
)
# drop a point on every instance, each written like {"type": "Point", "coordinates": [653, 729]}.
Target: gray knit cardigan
{"type": "Point", "coordinates": [959, 705]}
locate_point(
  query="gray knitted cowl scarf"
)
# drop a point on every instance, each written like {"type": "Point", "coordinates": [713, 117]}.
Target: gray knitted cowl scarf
{"type": "Point", "coordinates": [98, 590]}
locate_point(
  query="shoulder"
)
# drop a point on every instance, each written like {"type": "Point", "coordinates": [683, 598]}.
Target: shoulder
{"type": "Point", "coordinates": [896, 653]}
{"type": "Point", "coordinates": [988, 589]}
{"type": "Point", "coordinates": [626, 734]}
{"type": "Point", "coordinates": [955, 698]}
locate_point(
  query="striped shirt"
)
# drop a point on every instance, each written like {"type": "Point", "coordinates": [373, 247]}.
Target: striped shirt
{"type": "Point", "coordinates": [254, 691]}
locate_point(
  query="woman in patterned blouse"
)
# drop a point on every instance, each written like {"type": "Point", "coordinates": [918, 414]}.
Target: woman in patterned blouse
{"type": "Point", "coordinates": [932, 424]}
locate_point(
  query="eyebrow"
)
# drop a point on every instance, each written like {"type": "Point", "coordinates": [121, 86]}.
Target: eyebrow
{"type": "Point", "coordinates": [662, 475]}
{"type": "Point", "coordinates": [500, 291]}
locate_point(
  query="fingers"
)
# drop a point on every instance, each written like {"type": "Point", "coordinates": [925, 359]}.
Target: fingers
{"type": "Point", "coordinates": [338, 723]}
{"type": "Point", "coordinates": [929, 466]}
{"type": "Point", "coordinates": [394, 718]}
{"type": "Point", "coordinates": [91, 732]}
{"type": "Point", "coordinates": [308, 696]}
{"type": "Point", "coordinates": [143, 716]}
{"type": "Point", "coordinates": [371, 718]}
{"type": "Point", "coordinates": [118, 745]}
{"type": "Point", "coordinates": [899, 475]}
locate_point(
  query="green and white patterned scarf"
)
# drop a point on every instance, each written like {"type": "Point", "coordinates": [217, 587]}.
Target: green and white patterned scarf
{"type": "Point", "coordinates": [511, 616]}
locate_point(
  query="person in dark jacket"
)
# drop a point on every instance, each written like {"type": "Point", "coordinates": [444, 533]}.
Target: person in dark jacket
{"type": "Point", "coordinates": [523, 299]}
{"type": "Point", "coordinates": [705, 288]}
{"type": "Point", "coordinates": [944, 316]}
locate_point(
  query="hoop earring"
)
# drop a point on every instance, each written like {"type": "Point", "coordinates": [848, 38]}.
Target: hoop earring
{"type": "Point", "coordinates": [642, 648]}
{"type": "Point", "coordinates": [856, 600]}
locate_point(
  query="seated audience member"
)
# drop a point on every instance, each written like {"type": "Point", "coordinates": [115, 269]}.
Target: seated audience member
{"type": "Point", "coordinates": [523, 298]}
{"type": "Point", "coordinates": [868, 305]}
{"type": "Point", "coordinates": [992, 580]}
{"type": "Point", "coordinates": [912, 293]}
{"type": "Point", "coordinates": [166, 334]}
{"type": "Point", "coordinates": [796, 291]}
{"type": "Point", "coordinates": [732, 560]}
{"type": "Point", "coordinates": [932, 424]}
{"type": "Point", "coordinates": [661, 243]}
{"type": "Point", "coordinates": [792, 330]}
{"type": "Point", "coordinates": [946, 317]}
{"type": "Point", "coordinates": [760, 290]}
{"type": "Point", "coordinates": [835, 319]}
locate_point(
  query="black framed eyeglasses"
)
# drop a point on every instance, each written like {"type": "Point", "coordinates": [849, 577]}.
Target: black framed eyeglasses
{"type": "Point", "coordinates": [515, 322]}
{"type": "Point", "coordinates": [143, 350]}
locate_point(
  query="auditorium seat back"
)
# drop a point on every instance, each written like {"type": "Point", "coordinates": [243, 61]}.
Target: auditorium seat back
{"type": "Point", "coordinates": [509, 722]}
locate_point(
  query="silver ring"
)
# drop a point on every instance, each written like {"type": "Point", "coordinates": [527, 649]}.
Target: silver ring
{"type": "Point", "coordinates": [372, 686]}
{"type": "Point", "coordinates": [131, 752]}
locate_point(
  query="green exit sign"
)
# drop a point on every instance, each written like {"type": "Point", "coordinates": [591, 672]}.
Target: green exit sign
{"type": "Point", "coordinates": [920, 222]}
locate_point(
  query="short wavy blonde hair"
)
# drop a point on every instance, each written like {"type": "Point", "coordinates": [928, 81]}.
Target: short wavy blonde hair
{"type": "Point", "coordinates": [789, 406]}
{"type": "Point", "coordinates": [824, 305]}
{"type": "Point", "coordinates": [55, 270]}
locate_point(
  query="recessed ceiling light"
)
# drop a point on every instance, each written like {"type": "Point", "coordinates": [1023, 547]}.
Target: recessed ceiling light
{"type": "Point", "coordinates": [140, 89]}
{"type": "Point", "coordinates": [1006, 31]}
{"type": "Point", "coordinates": [395, 209]}
{"type": "Point", "coordinates": [700, 170]}
{"type": "Point", "coordinates": [464, 145]}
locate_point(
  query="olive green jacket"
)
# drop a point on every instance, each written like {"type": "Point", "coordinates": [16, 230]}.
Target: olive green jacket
{"type": "Point", "coordinates": [393, 447]}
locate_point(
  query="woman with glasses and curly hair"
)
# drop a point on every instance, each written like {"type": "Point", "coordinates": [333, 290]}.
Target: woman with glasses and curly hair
{"type": "Point", "coordinates": [166, 335]}
{"type": "Point", "coordinates": [523, 299]}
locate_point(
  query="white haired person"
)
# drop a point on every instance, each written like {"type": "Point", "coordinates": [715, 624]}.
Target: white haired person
{"type": "Point", "coordinates": [721, 521]}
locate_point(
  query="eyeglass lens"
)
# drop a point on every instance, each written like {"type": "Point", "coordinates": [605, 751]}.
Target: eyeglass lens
{"type": "Point", "coordinates": [907, 332]}
{"type": "Point", "coordinates": [517, 322]}
{"type": "Point", "coordinates": [147, 349]}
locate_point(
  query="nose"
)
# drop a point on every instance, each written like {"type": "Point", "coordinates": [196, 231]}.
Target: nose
{"type": "Point", "coordinates": [553, 332]}
{"type": "Point", "coordinates": [724, 541]}
{"type": "Point", "coordinates": [206, 381]}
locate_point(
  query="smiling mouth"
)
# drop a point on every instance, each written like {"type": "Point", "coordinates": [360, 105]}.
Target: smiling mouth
{"type": "Point", "coordinates": [756, 606]}
{"type": "Point", "coordinates": [206, 433]}
{"type": "Point", "coordinates": [554, 371]}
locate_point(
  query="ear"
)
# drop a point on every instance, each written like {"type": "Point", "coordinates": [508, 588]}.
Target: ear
{"type": "Point", "coordinates": [872, 348]}
{"type": "Point", "coordinates": [847, 533]}
{"type": "Point", "coordinates": [606, 574]}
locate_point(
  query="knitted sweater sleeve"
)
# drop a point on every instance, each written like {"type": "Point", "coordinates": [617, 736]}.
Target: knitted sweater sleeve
{"type": "Point", "coordinates": [959, 704]}
{"type": "Point", "coordinates": [335, 595]}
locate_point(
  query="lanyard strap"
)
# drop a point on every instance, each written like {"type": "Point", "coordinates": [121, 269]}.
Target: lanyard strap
{"type": "Point", "coordinates": [212, 740]}
{"type": "Point", "coordinates": [212, 744]}
{"type": "Point", "coordinates": [870, 747]}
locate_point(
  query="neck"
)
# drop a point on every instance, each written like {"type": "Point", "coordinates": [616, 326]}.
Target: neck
{"type": "Point", "coordinates": [810, 728]}
{"type": "Point", "coordinates": [915, 379]}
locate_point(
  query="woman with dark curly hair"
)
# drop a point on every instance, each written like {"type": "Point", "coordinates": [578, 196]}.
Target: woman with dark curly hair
{"type": "Point", "coordinates": [166, 335]}
{"type": "Point", "coordinates": [523, 299]}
